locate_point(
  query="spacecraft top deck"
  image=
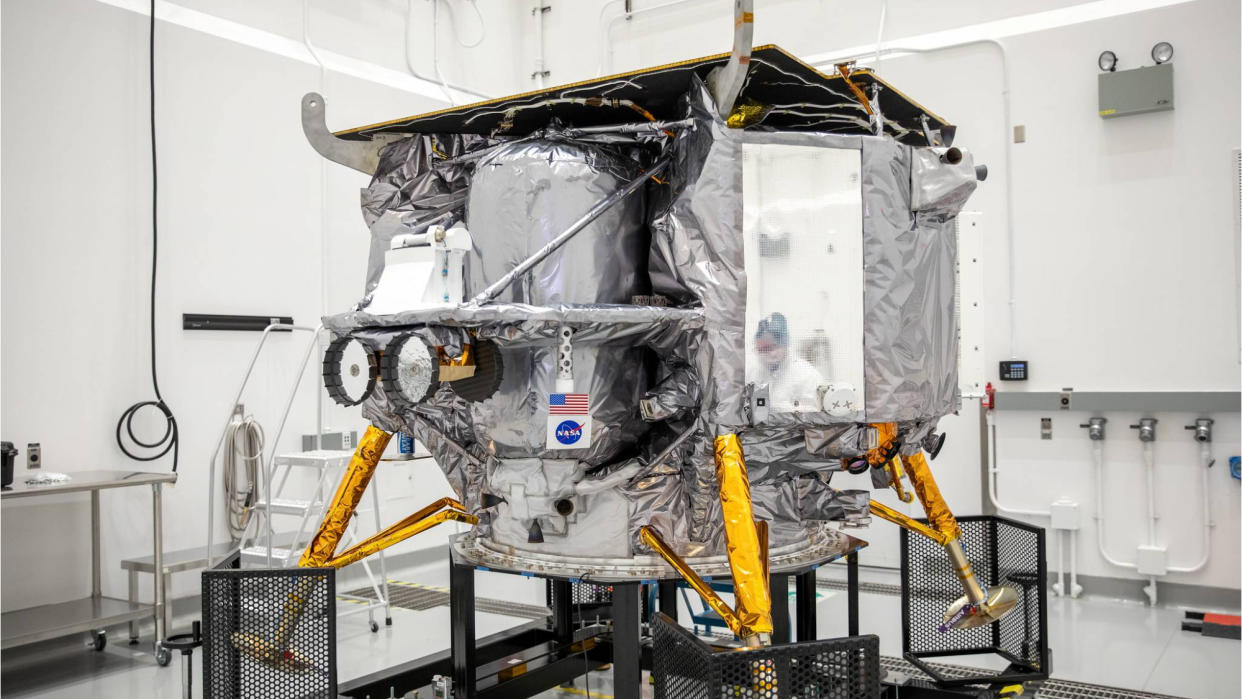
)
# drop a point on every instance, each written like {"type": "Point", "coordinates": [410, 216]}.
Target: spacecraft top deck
{"type": "Point", "coordinates": [775, 78]}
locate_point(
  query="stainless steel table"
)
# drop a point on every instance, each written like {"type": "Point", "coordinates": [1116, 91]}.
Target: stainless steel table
{"type": "Point", "coordinates": [97, 611]}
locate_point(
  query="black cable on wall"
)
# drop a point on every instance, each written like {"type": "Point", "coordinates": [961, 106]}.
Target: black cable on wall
{"type": "Point", "coordinates": [170, 440]}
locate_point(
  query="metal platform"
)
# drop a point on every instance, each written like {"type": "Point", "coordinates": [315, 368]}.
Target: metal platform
{"type": "Point", "coordinates": [54, 620]}
{"type": "Point", "coordinates": [824, 545]}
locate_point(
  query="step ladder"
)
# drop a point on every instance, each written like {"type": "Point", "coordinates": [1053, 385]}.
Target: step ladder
{"type": "Point", "coordinates": [269, 548]}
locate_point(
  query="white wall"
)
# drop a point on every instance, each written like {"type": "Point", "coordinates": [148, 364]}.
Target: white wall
{"type": "Point", "coordinates": [242, 222]}
{"type": "Point", "coordinates": [1126, 276]}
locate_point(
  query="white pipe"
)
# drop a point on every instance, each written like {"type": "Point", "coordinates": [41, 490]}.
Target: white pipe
{"type": "Point", "coordinates": [879, 34]}
{"type": "Point", "coordinates": [1097, 453]}
{"type": "Point", "coordinates": [1149, 465]}
{"type": "Point", "coordinates": [1008, 141]}
{"type": "Point", "coordinates": [1205, 464]}
{"type": "Point", "coordinates": [606, 32]}
{"type": "Point", "coordinates": [1059, 586]}
{"type": "Point", "coordinates": [539, 54]}
{"type": "Point", "coordinates": [409, 65]}
{"type": "Point", "coordinates": [435, 52]}
{"type": "Point", "coordinates": [1075, 588]}
{"type": "Point", "coordinates": [993, 475]}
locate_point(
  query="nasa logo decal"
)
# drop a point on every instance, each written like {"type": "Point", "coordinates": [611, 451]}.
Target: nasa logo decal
{"type": "Point", "coordinates": [569, 432]}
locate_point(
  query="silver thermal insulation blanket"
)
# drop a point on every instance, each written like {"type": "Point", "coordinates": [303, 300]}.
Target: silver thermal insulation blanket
{"type": "Point", "coordinates": [655, 291]}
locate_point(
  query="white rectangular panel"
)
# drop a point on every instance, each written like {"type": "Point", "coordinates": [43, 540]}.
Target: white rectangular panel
{"type": "Point", "coordinates": [802, 229]}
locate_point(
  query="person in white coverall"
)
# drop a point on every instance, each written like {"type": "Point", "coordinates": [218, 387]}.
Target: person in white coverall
{"type": "Point", "coordinates": [792, 382]}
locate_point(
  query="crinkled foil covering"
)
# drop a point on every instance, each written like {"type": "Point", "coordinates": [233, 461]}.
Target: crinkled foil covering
{"type": "Point", "coordinates": [348, 494]}
{"type": "Point", "coordinates": [653, 371]}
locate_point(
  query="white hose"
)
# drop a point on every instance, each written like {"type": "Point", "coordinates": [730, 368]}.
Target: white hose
{"type": "Point", "coordinates": [435, 51]}
{"type": "Point", "coordinates": [1205, 465]}
{"type": "Point", "coordinates": [453, 21]}
{"type": "Point", "coordinates": [409, 65]}
{"type": "Point", "coordinates": [243, 441]}
{"type": "Point", "coordinates": [1097, 454]}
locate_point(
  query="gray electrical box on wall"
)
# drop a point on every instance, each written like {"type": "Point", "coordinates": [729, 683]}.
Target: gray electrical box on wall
{"type": "Point", "coordinates": [1137, 91]}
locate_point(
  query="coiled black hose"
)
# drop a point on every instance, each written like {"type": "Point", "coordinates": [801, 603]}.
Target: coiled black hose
{"type": "Point", "coordinates": [170, 440]}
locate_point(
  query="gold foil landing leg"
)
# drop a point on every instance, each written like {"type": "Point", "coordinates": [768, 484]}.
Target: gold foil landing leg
{"type": "Point", "coordinates": [885, 512]}
{"type": "Point", "coordinates": [652, 539]}
{"type": "Point", "coordinates": [415, 523]}
{"type": "Point", "coordinates": [978, 606]}
{"type": "Point", "coordinates": [348, 494]}
{"type": "Point", "coordinates": [750, 582]}
{"type": "Point", "coordinates": [925, 488]}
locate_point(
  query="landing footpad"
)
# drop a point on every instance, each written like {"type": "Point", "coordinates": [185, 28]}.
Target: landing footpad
{"type": "Point", "coordinates": [1003, 554]}
{"type": "Point", "coordinates": [269, 634]}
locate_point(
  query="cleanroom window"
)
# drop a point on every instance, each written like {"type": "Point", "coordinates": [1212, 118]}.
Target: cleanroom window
{"type": "Point", "coordinates": [802, 226]}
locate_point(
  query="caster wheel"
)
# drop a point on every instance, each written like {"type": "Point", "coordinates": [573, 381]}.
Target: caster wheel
{"type": "Point", "coordinates": [374, 627]}
{"type": "Point", "coordinates": [99, 640]}
{"type": "Point", "coordinates": [163, 656]}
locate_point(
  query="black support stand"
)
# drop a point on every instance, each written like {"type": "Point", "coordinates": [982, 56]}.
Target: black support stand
{"type": "Point", "coordinates": [779, 585]}
{"type": "Point", "coordinates": [851, 586]}
{"type": "Point", "coordinates": [804, 585]}
{"type": "Point", "coordinates": [461, 611]}
{"type": "Point", "coordinates": [668, 597]}
{"type": "Point", "coordinates": [627, 672]}
{"type": "Point", "coordinates": [533, 658]}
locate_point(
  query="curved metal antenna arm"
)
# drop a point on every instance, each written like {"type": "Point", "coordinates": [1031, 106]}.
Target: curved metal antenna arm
{"type": "Point", "coordinates": [362, 156]}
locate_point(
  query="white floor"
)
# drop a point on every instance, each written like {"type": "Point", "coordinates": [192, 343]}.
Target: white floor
{"type": "Point", "coordinates": [1099, 641]}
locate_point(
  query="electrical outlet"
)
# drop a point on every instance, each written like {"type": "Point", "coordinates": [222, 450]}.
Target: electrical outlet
{"type": "Point", "coordinates": [347, 440]}
{"type": "Point", "coordinates": [1045, 428]}
{"type": "Point", "coordinates": [34, 456]}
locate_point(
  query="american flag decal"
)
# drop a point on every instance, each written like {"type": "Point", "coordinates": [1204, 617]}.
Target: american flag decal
{"type": "Point", "coordinates": [568, 403]}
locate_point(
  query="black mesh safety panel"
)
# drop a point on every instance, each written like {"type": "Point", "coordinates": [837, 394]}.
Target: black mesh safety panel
{"type": "Point", "coordinates": [1001, 552]}
{"type": "Point", "coordinates": [245, 612]}
{"type": "Point", "coordinates": [687, 668]}
{"type": "Point", "coordinates": [590, 593]}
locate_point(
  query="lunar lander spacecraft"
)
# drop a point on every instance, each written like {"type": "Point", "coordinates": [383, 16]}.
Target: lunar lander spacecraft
{"type": "Point", "coordinates": [641, 321]}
